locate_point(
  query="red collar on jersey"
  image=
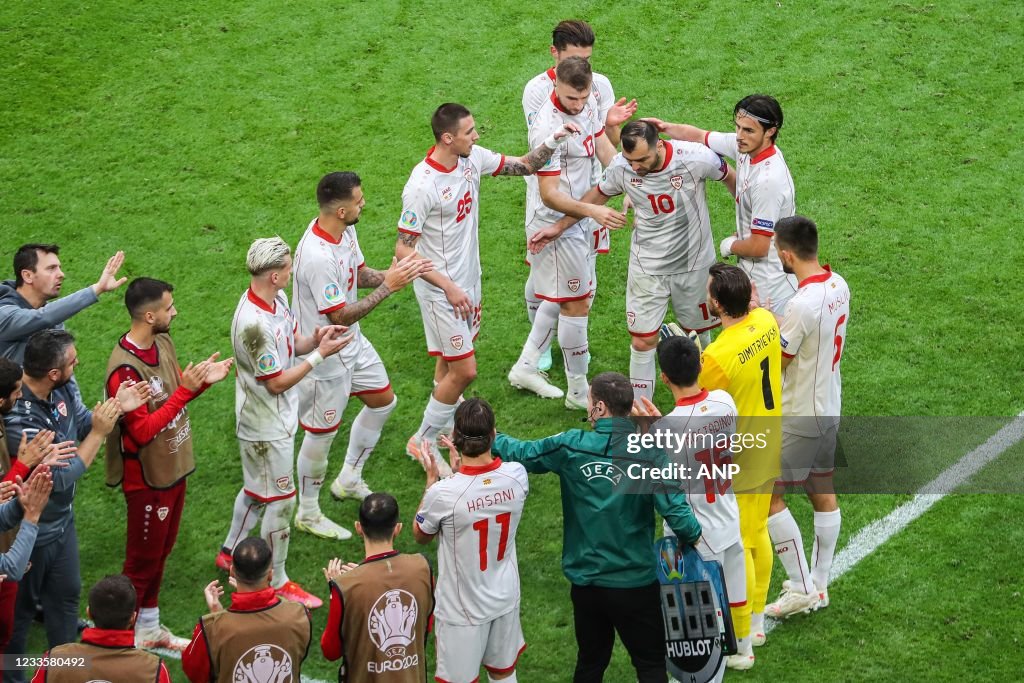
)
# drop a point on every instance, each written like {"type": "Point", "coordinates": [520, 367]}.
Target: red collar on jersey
{"type": "Point", "coordinates": [380, 556]}
{"type": "Point", "coordinates": [150, 356]}
{"type": "Point", "coordinates": [436, 166]}
{"type": "Point", "coordinates": [668, 155]}
{"type": "Point", "coordinates": [260, 303]}
{"type": "Point", "coordinates": [473, 470]}
{"type": "Point", "coordinates": [558, 104]}
{"type": "Point", "coordinates": [764, 154]}
{"type": "Point", "coordinates": [253, 601]}
{"type": "Point", "coordinates": [690, 400]}
{"type": "Point", "coordinates": [323, 234]}
{"type": "Point", "coordinates": [820, 277]}
{"type": "Point", "coordinates": [109, 637]}
{"type": "Point", "coordinates": [551, 74]}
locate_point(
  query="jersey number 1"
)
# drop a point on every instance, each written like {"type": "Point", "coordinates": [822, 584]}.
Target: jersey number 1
{"type": "Point", "coordinates": [766, 386]}
{"type": "Point", "coordinates": [482, 526]}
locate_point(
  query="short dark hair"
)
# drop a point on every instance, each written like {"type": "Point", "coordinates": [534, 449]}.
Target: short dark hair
{"type": "Point", "coordinates": [45, 351]}
{"type": "Point", "coordinates": [679, 359]}
{"type": "Point", "coordinates": [251, 559]}
{"type": "Point", "coordinates": [572, 32]}
{"type": "Point", "coordinates": [797, 234]}
{"type": "Point", "coordinates": [765, 108]}
{"type": "Point", "coordinates": [446, 119]}
{"type": "Point", "coordinates": [615, 390]}
{"type": "Point", "coordinates": [474, 427]}
{"type": "Point", "coordinates": [634, 131]}
{"type": "Point", "coordinates": [112, 602]}
{"type": "Point", "coordinates": [378, 516]}
{"type": "Point", "coordinates": [336, 187]}
{"type": "Point", "coordinates": [27, 257]}
{"type": "Point", "coordinates": [730, 286]}
{"type": "Point", "coordinates": [576, 72]}
{"type": "Point", "coordinates": [10, 375]}
{"type": "Point", "coordinates": [142, 292]}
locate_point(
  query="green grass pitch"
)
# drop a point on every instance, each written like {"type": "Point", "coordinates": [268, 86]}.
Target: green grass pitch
{"type": "Point", "coordinates": [180, 132]}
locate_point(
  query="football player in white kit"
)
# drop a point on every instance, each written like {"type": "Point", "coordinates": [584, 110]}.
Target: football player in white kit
{"type": "Point", "coordinates": [265, 344]}
{"type": "Point", "coordinates": [562, 272]}
{"type": "Point", "coordinates": [440, 221]}
{"type": "Point", "coordinates": [707, 420]}
{"type": "Point", "coordinates": [329, 271]}
{"type": "Point", "coordinates": [764, 191]}
{"type": "Point", "coordinates": [813, 332]}
{"type": "Point", "coordinates": [476, 512]}
{"type": "Point", "coordinates": [672, 246]}
{"type": "Point", "coordinates": [571, 38]}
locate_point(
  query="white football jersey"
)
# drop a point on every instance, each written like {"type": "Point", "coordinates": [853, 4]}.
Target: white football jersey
{"type": "Point", "coordinates": [813, 333]}
{"type": "Point", "coordinates": [441, 205]}
{"type": "Point", "coordinates": [476, 512]}
{"type": "Point", "coordinates": [263, 339]}
{"type": "Point", "coordinates": [708, 421]}
{"type": "Point", "coordinates": [326, 274]}
{"type": "Point", "coordinates": [764, 194]}
{"type": "Point", "coordinates": [572, 162]}
{"type": "Point", "coordinates": [672, 227]}
{"type": "Point", "coordinates": [539, 88]}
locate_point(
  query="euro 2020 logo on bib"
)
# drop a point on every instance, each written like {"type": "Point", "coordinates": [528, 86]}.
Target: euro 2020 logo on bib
{"type": "Point", "coordinates": [392, 627]}
{"type": "Point", "coordinates": [264, 664]}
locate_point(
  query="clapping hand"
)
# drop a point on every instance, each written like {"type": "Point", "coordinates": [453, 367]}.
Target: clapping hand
{"type": "Point", "coordinates": [213, 593]}
{"type": "Point", "coordinates": [335, 568]}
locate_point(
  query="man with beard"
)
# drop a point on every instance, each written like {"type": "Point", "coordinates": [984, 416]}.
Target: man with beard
{"type": "Point", "coordinates": [48, 402]}
{"type": "Point", "coordinates": [150, 453]}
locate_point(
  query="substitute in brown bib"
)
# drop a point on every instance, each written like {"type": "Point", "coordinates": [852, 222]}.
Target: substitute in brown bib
{"type": "Point", "coordinates": [381, 609]}
{"type": "Point", "coordinates": [259, 637]}
{"type": "Point", "coordinates": [107, 651]}
{"type": "Point", "coordinates": [150, 452]}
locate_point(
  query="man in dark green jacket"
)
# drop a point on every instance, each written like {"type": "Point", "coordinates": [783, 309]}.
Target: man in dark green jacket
{"type": "Point", "coordinates": [607, 544]}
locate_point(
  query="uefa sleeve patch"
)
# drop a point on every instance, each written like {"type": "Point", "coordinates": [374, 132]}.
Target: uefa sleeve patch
{"type": "Point", "coordinates": [409, 219]}
{"type": "Point", "coordinates": [267, 363]}
{"type": "Point", "coordinates": [420, 519]}
{"type": "Point", "coordinates": [764, 223]}
{"type": "Point", "coordinates": [332, 292]}
{"type": "Point", "coordinates": [782, 340]}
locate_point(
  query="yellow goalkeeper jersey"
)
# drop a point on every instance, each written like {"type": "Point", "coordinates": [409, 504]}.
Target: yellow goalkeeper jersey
{"type": "Point", "coordinates": [746, 361]}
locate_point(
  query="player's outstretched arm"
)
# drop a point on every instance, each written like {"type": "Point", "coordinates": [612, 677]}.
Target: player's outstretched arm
{"type": "Point", "coordinates": [539, 156]}
{"type": "Point", "coordinates": [546, 236]}
{"type": "Point", "coordinates": [554, 198]}
{"type": "Point", "coordinates": [618, 114]}
{"type": "Point", "coordinates": [325, 342]}
{"type": "Point", "coordinates": [459, 300]}
{"type": "Point", "coordinates": [678, 131]}
{"type": "Point", "coordinates": [385, 282]}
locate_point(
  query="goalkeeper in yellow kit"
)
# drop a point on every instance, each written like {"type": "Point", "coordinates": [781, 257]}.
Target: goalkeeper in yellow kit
{"type": "Point", "coordinates": [746, 361]}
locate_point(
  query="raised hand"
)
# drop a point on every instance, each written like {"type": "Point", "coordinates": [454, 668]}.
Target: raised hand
{"type": "Point", "coordinates": [32, 452]}
{"type": "Point", "coordinates": [657, 123]}
{"type": "Point", "coordinates": [565, 131]}
{"type": "Point", "coordinates": [405, 271]}
{"type": "Point", "coordinates": [59, 453]}
{"type": "Point", "coordinates": [218, 370]}
{"type": "Point", "coordinates": [132, 395]}
{"type": "Point", "coordinates": [643, 407]}
{"type": "Point", "coordinates": [35, 493]}
{"type": "Point", "coordinates": [620, 112]}
{"type": "Point", "coordinates": [108, 278]}
{"type": "Point", "coordinates": [333, 339]}
{"type": "Point", "coordinates": [194, 375]}
{"type": "Point", "coordinates": [454, 457]}
{"type": "Point", "coordinates": [104, 416]}
{"type": "Point", "coordinates": [213, 593]}
{"type": "Point", "coordinates": [335, 568]}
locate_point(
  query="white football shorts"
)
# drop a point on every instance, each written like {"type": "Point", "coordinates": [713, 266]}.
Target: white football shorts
{"type": "Point", "coordinates": [647, 299]}
{"type": "Point", "coordinates": [462, 649]}
{"type": "Point", "coordinates": [268, 469]}
{"type": "Point", "coordinates": [322, 402]}
{"type": "Point", "coordinates": [563, 270]}
{"type": "Point", "coordinates": [804, 456]}
{"type": "Point", "coordinates": [448, 336]}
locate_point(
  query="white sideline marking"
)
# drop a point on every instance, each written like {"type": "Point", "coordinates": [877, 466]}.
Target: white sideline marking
{"type": "Point", "coordinates": [871, 537]}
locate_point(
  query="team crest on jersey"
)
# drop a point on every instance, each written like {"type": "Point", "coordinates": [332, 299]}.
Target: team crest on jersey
{"type": "Point", "coordinates": [468, 172]}
{"type": "Point", "coordinates": [409, 219]}
{"type": "Point", "coordinates": [457, 342]}
{"type": "Point", "coordinates": [447, 194]}
{"type": "Point", "coordinates": [62, 408]}
{"type": "Point", "coordinates": [264, 664]}
{"type": "Point", "coordinates": [630, 318]}
{"type": "Point", "coordinates": [602, 470]}
{"type": "Point", "coordinates": [703, 409]}
{"type": "Point", "coordinates": [677, 181]}
{"type": "Point", "coordinates": [574, 284]}
{"type": "Point", "coordinates": [265, 363]}
{"type": "Point", "coordinates": [162, 512]}
{"type": "Point", "coordinates": [636, 182]}
{"type": "Point", "coordinates": [392, 623]}
{"type": "Point", "coordinates": [283, 484]}
{"type": "Point", "coordinates": [329, 415]}
{"type": "Point", "coordinates": [332, 292]}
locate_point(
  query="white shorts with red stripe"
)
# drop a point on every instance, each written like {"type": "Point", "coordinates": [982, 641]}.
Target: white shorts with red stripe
{"type": "Point", "coordinates": [733, 566]}
{"type": "Point", "coordinates": [267, 469]}
{"type": "Point", "coordinates": [648, 296]}
{"type": "Point", "coordinates": [462, 649]}
{"type": "Point", "coordinates": [322, 401]}
{"type": "Point", "coordinates": [449, 336]}
{"type": "Point", "coordinates": [563, 270]}
{"type": "Point", "coordinates": [807, 456]}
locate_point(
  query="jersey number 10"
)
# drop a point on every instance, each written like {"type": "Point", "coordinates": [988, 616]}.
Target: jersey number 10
{"type": "Point", "coordinates": [482, 527]}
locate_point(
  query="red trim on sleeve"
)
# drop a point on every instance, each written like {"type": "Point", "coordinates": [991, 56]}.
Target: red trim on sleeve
{"type": "Point", "coordinates": [264, 378]}
{"type": "Point", "coordinates": [500, 166]}
{"type": "Point", "coordinates": [371, 391]}
{"type": "Point", "coordinates": [18, 469]}
{"type": "Point", "coordinates": [599, 133]}
{"type": "Point", "coordinates": [766, 233]}
{"type": "Point", "coordinates": [332, 309]}
{"type": "Point", "coordinates": [548, 173]}
{"type": "Point", "coordinates": [706, 134]}
{"type": "Point", "coordinates": [262, 499]}
{"type": "Point", "coordinates": [508, 669]}
{"type": "Point", "coordinates": [788, 355]}
{"type": "Point", "coordinates": [409, 232]}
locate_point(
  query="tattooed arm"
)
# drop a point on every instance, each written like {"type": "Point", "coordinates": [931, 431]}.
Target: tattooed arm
{"type": "Point", "coordinates": [384, 282]}
{"type": "Point", "coordinates": [536, 158]}
{"type": "Point", "coordinates": [405, 249]}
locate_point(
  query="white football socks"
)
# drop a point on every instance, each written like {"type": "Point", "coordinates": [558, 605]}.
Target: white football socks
{"type": "Point", "coordinates": [312, 467]}
{"type": "Point", "coordinates": [275, 530]}
{"type": "Point", "coordinates": [435, 417]}
{"type": "Point", "coordinates": [544, 321]}
{"type": "Point", "coordinates": [789, 548]}
{"type": "Point", "coordinates": [757, 622]}
{"type": "Point", "coordinates": [148, 619]}
{"type": "Point", "coordinates": [826, 535]}
{"type": "Point", "coordinates": [365, 434]}
{"type": "Point", "coordinates": [530, 296]}
{"type": "Point", "coordinates": [572, 337]}
{"type": "Point", "coordinates": [244, 516]}
{"type": "Point", "coordinates": [641, 373]}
